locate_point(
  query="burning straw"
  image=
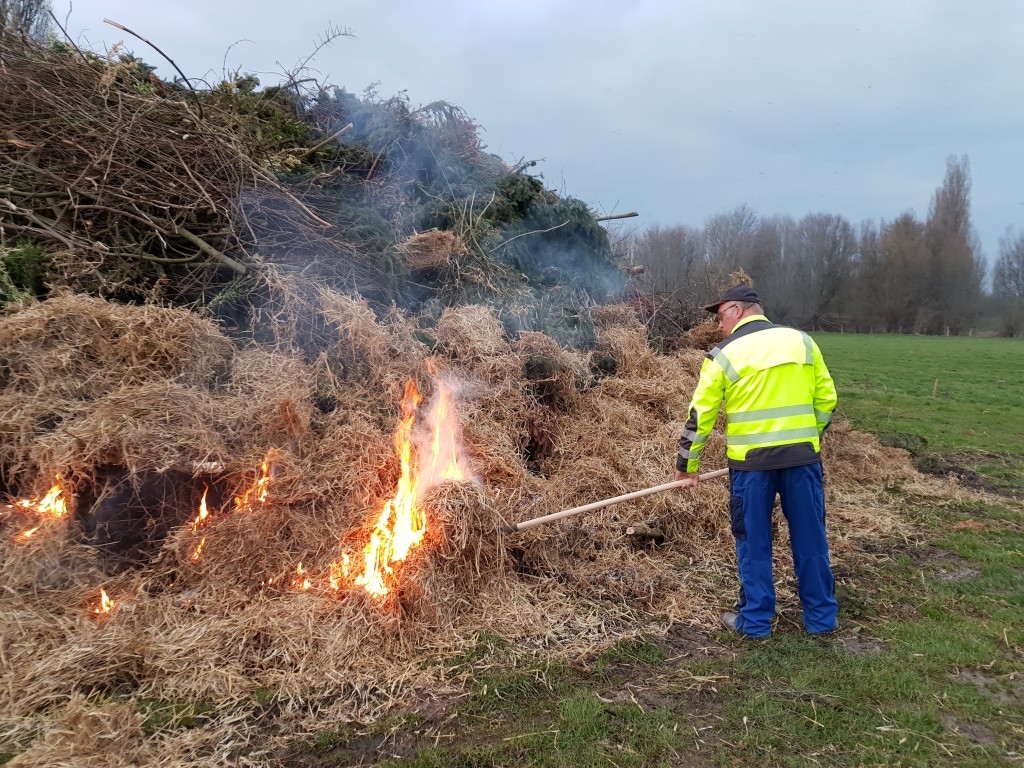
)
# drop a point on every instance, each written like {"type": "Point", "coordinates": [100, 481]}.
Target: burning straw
{"type": "Point", "coordinates": [252, 596]}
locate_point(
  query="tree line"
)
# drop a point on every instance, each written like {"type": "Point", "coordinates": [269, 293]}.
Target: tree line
{"type": "Point", "coordinates": [823, 273]}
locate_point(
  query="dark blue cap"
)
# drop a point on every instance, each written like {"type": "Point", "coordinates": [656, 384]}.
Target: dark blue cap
{"type": "Point", "coordinates": [737, 293]}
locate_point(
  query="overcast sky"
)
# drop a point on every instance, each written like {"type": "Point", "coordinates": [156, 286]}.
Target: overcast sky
{"type": "Point", "coordinates": [677, 109]}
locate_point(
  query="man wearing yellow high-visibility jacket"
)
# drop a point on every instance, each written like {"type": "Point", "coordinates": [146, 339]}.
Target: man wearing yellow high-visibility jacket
{"type": "Point", "coordinates": [779, 399]}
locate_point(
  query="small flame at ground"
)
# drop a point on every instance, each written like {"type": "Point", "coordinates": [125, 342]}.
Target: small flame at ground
{"type": "Point", "coordinates": [106, 605]}
{"type": "Point", "coordinates": [53, 505]}
{"type": "Point", "coordinates": [402, 524]}
{"type": "Point", "coordinates": [338, 572]}
{"type": "Point", "coordinates": [204, 512]}
{"type": "Point", "coordinates": [301, 581]}
{"type": "Point", "coordinates": [254, 494]}
{"type": "Point", "coordinates": [257, 492]}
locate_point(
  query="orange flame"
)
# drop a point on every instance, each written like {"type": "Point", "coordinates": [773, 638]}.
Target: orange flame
{"type": "Point", "coordinates": [338, 572]}
{"type": "Point", "coordinates": [257, 492]}
{"type": "Point", "coordinates": [254, 494]}
{"type": "Point", "coordinates": [301, 581]}
{"type": "Point", "coordinates": [26, 535]}
{"type": "Point", "coordinates": [402, 524]}
{"type": "Point", "coordinates": [204, 512]}
{"type": "Point", "coordinates": [53, 505]}
{"type": "Point", "coordinates": [106, 605]}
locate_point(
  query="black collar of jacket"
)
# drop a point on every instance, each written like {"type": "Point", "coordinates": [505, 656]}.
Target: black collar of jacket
{"type": "Point", "coordinates": [745, 330]}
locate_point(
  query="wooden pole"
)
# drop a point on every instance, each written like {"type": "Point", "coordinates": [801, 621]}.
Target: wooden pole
{"type": "Point", "coordinates": [605, 503]}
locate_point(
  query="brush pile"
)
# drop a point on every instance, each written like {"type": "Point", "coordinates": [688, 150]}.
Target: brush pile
{"type": "Point", "coordinates": [254, 617]}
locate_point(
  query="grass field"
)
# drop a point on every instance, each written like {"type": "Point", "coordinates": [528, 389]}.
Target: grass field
{"type": "Point", "coordinates": [964, 396]}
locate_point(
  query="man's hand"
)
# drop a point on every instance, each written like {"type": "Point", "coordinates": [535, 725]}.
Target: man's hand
{"type": "Point", "coordinates": [691, 478]}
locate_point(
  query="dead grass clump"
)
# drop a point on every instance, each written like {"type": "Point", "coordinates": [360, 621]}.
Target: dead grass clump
{"type": "Point", "coordinates": [622, 336]}
{"type": "Point", "coordinates": [432, 249]}
{"type": "Point", "coordinates": [160, 424]}
{"type": "Point", "coordinates": [278, 392]}
{"type": "Point", "coordinates": [704, 336]}
{"type": "Point", "coordinates": [555, 375]}
{"type": "Point", "coordinates": [87, 733]}
{"type": "Point", "coordinates": [24, 418]}
{"type": "Point", "coordinates": [382, 352]}
{"type": "Point", "coordinates": [78, 347]}
{"type": "Point", "coordinates": [471, 333]}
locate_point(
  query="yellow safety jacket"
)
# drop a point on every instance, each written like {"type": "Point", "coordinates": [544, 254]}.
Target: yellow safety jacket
{"type": "Point", "coordinates": [778, 394]}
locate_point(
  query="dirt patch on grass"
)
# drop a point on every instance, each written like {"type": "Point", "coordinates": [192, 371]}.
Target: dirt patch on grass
{"type": "Point", "coordinates": [976, 733]}
{"type": "Point", "coordinates": [861, 644]}
{"type": "Point", "coordinates": [685, 641]}
{"type": "Point", "coordinates": [943, 466]}
{"type": "Point", "coordinates": [1006, 690]}
{"type": "Point", "coordinates": [957, 574]}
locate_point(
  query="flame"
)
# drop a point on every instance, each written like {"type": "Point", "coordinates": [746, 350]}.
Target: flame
{"type": "Point", "coordinates": [402, 524]}
{"type": "Point", "coordinates": [106, 605]}
{"type": "Point", "coordinates": [301, 581]}
{"type": "Point", "coordinates": [204, 512]}
{"type": "Point", "coordinates": [257, 492]}
{"type": "Point", "coordinates": [338, 572]}
{"type": "Point", "coordinates": [53, 505]}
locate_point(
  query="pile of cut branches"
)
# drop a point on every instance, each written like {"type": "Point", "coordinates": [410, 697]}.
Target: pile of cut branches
{"type": "Point", "coordinates": [133, 184]}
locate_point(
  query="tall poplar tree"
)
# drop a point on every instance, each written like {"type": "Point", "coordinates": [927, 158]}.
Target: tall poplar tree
{"type": "Point", "coordinates": [956, 268]}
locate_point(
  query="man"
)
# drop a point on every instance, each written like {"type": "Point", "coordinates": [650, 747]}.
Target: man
{"type": "Point", "coordinates": [779, 398]}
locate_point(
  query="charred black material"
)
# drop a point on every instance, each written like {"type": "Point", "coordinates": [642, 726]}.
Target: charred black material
{"type": "Point", "coordinates": [127, 516]}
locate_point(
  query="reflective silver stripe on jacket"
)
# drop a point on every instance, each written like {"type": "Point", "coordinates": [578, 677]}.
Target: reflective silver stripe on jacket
{"type": "Point", "coordinates": [804, 409]}
{"type": "Point", "coordinates": [719, 357]}
{"type": "Point", "coordinates": [808, 348]}
{"type": "Point", "coordinates": [694, 438]}
{"type": "Point", "coordinates": [823, 416]}
{"type": "Point", "coordinates": [772, 437]}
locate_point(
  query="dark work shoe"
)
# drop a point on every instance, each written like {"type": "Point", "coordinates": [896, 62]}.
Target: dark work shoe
{"type": "Point", "coordinates": [729, 621]}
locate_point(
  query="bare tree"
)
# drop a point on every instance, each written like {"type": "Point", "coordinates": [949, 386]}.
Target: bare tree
{"type": "Point", "coordinates": [821, 262]}
{"type": "Point", "coordinates": [729, 237]}
{"type": "Point", "coordinates": [893, 273]}
{"type": "Point", "coordinates": [765, 263]}
{"type": "Point", "coordinates": [673, 258]}
{"type": "Point", "coordinates": [1008, 283]}
{"type": "Point", "coordinates": [30, 18]}
{"type": "Point", "coordinates": [956, 269]}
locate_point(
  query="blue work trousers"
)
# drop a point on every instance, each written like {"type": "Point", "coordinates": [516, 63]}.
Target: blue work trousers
{"type": "Point", "coordinates": [752, 497]}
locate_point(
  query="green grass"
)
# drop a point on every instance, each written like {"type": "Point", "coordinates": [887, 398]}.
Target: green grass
{"type": "Point", "coordinates": [887, 384]}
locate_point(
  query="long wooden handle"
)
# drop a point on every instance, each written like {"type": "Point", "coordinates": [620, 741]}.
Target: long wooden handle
{"type": "Point", "coordinates": [605, 503]}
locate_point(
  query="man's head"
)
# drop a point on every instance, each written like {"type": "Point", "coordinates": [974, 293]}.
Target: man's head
{"type": "Point", "coordinates": [736, 303]}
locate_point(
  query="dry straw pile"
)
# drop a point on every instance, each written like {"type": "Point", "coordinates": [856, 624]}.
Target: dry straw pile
{"type": "Point", "coordinates": [86, 384]}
